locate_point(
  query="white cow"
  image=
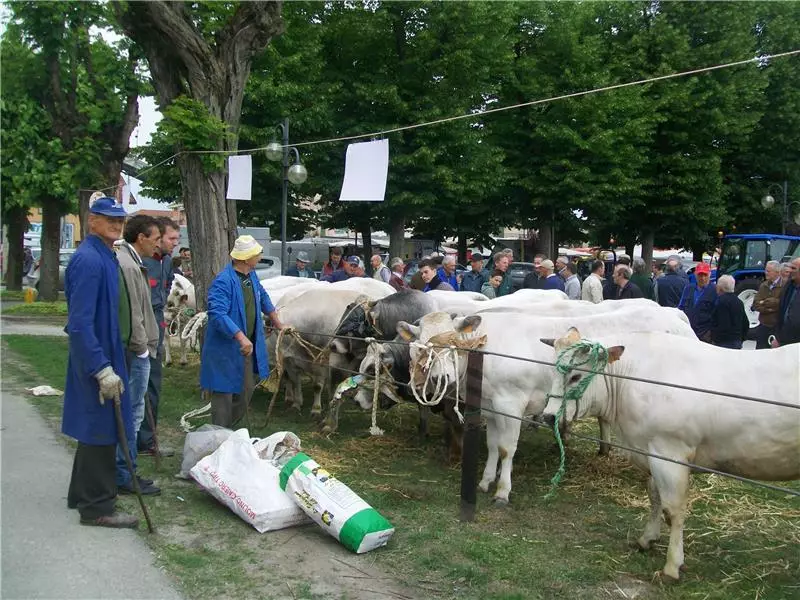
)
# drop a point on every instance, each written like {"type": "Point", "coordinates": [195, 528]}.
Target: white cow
{"type": "Point", "coordinates": [316, 313]}
{"type": "Point", "coordinates": [371, 287]}
{"type": "Point", "coordinates": [745, 438]}
{"type": "Point", "coordinates": [514, 387]}
{"type": "Point", "coordinates": [463, 303]}
{"type": "Point", "coordinates": [180, 301]}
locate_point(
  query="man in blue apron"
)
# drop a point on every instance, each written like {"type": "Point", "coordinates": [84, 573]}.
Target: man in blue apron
{"type": "Point", "coordinates": [235, 348]}
{"type": "Point", "coordinates": [98, 325]}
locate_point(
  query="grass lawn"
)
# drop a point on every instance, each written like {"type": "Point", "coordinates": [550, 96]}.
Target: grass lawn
{"type": "Point", "coordinates": [54, 309]}
{"type": "Point", "coordinates": [740, 542]}
{"type": "Point", "coordinates": [12, 294]}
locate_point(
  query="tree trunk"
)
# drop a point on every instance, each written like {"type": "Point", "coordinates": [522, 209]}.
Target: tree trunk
{"type": "Point", "coordinates": [366, 236]}
{"type": "Point", "coordinates": [17, 222]}
{"type": "Point", "coordinates": [51, 244]}
{"type": "Point", "coordinates": [211, 232]}
{"type": "Point", "coordinates": [648, 241]}
{"type": "Point", "coordinates": [546, 241]}
{"type": "Point", "coordinates": [462, 248]}
{"type": "Point", "coordinates": [397, 237]}
{"type": "Point", "coordinates": [83, 211]}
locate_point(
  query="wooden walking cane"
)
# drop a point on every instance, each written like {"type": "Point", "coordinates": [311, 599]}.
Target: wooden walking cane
{"type": "Point", "coordinates": [151, 419]}
{"type": "Point", "coordinates": [123, 442]}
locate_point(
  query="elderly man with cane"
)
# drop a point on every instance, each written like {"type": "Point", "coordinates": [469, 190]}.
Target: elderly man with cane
{"type": "Point", "coordinates": [98, 319]}
{"type": "Point", "coordinates": [235, 347]}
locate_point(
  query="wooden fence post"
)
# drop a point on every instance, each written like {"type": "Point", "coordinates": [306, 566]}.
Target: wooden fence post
{"type": "Point", "coordinates": [472, 431]}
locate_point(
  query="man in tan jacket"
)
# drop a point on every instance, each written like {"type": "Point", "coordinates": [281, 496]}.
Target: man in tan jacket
{"type": "Point", "coordinates": [141, 238]}
{"type": "Point", "coordinates": [767, 303]}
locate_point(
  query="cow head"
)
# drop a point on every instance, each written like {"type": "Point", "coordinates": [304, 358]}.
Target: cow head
{"type": "Point", "coordinates": [356, 323]}
{"type": "Point", "coordinates": [388, 393]}
{"type": "Point", "coordinates": [580, 392]}
{"type": "Point", "coordinates": [437, 364]}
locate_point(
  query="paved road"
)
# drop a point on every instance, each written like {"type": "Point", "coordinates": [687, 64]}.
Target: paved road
{"type": "Point", "coordinates": [46, 553]}
{"type": "Point", "coordinates": [30, 327]}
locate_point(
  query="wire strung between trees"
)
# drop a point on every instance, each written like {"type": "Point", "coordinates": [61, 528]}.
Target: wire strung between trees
{"type": "Point", "coordinates": [553, 364]}
{"type": "Point", "coordinates": [477, 114]}
{"type": "Point", "coordinates": [538, 424]}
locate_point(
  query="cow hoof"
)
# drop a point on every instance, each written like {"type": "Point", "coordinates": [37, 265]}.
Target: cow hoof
{"type": "Point", "coordinates": [316, 415]}
{"type": "Point", "coordinates": [499, 502]}
{"type": "Point", "coordinates": [669, 576]}
{"type": "Point", "coordinates": [184, 363]}
{"type": "Point", "coordinates": [484, 486]}
{"type": "Point", "coordinates": [604, 451]}
{"type": "Point", "coordinates": [642, 545]}
{"type": "Point", "coordinates": [328, 429]}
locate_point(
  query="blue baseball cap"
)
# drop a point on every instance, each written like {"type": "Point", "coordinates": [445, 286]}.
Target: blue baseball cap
{"type": "Point", "coordinates": [108, 207]}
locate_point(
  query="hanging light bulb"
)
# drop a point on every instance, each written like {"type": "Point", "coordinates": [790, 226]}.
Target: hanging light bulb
{"type": "Point", "coordinates": [274, 151]}
{"type": "Point", "coordinates": [297, 173]}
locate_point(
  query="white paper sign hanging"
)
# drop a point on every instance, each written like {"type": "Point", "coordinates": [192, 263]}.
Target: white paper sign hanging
{"type": "Point", "coordinates": [365, 170]}
{"type": "Point", "coordinates": [240, 177]}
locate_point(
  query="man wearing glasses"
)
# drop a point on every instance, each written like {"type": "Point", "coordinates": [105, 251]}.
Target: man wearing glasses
{"type": "Point", "coordinates": [235, 347]}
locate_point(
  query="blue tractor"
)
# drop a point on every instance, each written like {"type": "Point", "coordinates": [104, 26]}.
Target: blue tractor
{"type": "Point", "coordinates": [744, 257]}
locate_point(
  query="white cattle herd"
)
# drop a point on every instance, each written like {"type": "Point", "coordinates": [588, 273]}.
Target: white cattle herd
{"type": "Point", "coordinates": [637, 338]}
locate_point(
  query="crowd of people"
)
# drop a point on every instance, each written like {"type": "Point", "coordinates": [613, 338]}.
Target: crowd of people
{"type": "Point", "coordinates": [714, 310]}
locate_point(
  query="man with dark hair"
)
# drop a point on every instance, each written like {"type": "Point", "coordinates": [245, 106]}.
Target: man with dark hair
{"type": "Point", "coordinates": [141, 238]}
{"type": "Point", "coordinates": [428, 272]}
{"type": "Point", "coordinates": [334, 263]}
{"type": "Point", "coordinates": [592, 288]}
{"type": "Point", "coordinates": [159, 273]}
{"type": "Point", "coordinates": [533, 279]}
{"type": "Point", "coordinates": [98, 326]}
{"type": "Point", "coordinates": [472, 281]}
{"type": "Point", "coordinates": [185, 255]}
{"type": "Point", "coordinates": [501, 263]}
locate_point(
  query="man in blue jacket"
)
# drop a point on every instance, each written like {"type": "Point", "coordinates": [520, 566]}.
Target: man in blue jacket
{"type": "Point", "coordinates": [472, 281]}
{"type": "Point", "coordinates": [698, 302]}
{"type": "Point", "coordinates": [672, 285]}
{"type": "Point", "coordinates": [99, 327]}
{"type": "Point", "coordinates": [235, 334]}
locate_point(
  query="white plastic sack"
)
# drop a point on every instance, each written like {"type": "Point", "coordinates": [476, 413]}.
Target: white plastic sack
{"type": "Point", "coordinates": [199, 444]}
{"type": "Point", "coordinates": [334, 506]}
{"type": "Point", "coordinates": [247, 484]}
{"type": "Point", "coordinates": [44, 390]}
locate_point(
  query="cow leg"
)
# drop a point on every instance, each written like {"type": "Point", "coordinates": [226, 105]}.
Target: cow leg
{"type": "Point", "coordinates": [184, 358]}
{"type": "Point", "coordinates": [672, 482]}
{"type": "Point", "coordinates": [652, 530]}
{"type": "Point", "coordinates": [605, 435]}
{"type": "Point", "coordinates": [320, 382]}
{"type": "Point", "coordinates": [167, 353]}
{"type": "Point", "coordinates": [424, 418]}
{"type": "Point", "coordinates": [507, 447]}
{"type": "Point", "coordinates": [490, 470]}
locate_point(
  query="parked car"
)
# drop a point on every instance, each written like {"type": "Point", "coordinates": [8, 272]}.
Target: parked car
{"type": "Point", "coordinates": [268, 267]}
{"type": "Point", "coordinates": [518, 271]}
{"type": "Point", "coordinates": [64, 256]}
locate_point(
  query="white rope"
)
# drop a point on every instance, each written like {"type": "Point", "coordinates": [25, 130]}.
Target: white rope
{"type": "Point", "coordinates": [437, 356]}
{"type": "Point", "coordinates": [374, 348]}
{"type": "Point", "coordinates": [191, 332]}
{"type": "Point", "coordinates": [756, 59]}
{"type": "Point", "coordinates": [205, 411]}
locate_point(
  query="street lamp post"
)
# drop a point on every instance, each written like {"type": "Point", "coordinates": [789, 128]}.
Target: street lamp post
{"type": "Point", "coordinates": [768, 201]}
{"type": "Point", "coordinates": [295, 173]}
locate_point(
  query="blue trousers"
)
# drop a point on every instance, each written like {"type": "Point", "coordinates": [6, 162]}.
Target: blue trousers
{"type": "Point", "coordinates": [138, 376]}
{"type": "Point", "coordinates": [145, 440]}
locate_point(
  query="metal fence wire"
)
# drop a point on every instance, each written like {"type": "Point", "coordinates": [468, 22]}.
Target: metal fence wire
{"type": "Point", "coordinates": [537, 424]}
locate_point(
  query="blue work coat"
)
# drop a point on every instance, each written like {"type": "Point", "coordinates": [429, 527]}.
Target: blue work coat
{"type": "Point", "coordinates": [222, 363]}
{"type": "Point", "coordinates": [91, 284]}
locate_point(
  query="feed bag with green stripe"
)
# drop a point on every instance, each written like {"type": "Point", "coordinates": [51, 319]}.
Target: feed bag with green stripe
{"type": "Point", "coordinates": [334, 506]}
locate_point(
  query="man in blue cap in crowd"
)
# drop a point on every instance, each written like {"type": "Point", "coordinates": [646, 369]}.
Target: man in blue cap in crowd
{"type": "Point", "coordinates": [99, 326]}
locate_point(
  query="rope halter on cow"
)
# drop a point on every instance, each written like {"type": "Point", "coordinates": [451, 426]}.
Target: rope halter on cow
{"type": "Point", "coordinates": [182, 316]}
{"type": "Point", "coordinates": [583, 354]}
{"type": "Point", "coordinates": [435, 352]}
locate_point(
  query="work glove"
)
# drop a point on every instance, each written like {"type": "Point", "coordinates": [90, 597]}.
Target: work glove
{"type": "Point", "coordinates": [111, 386]}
